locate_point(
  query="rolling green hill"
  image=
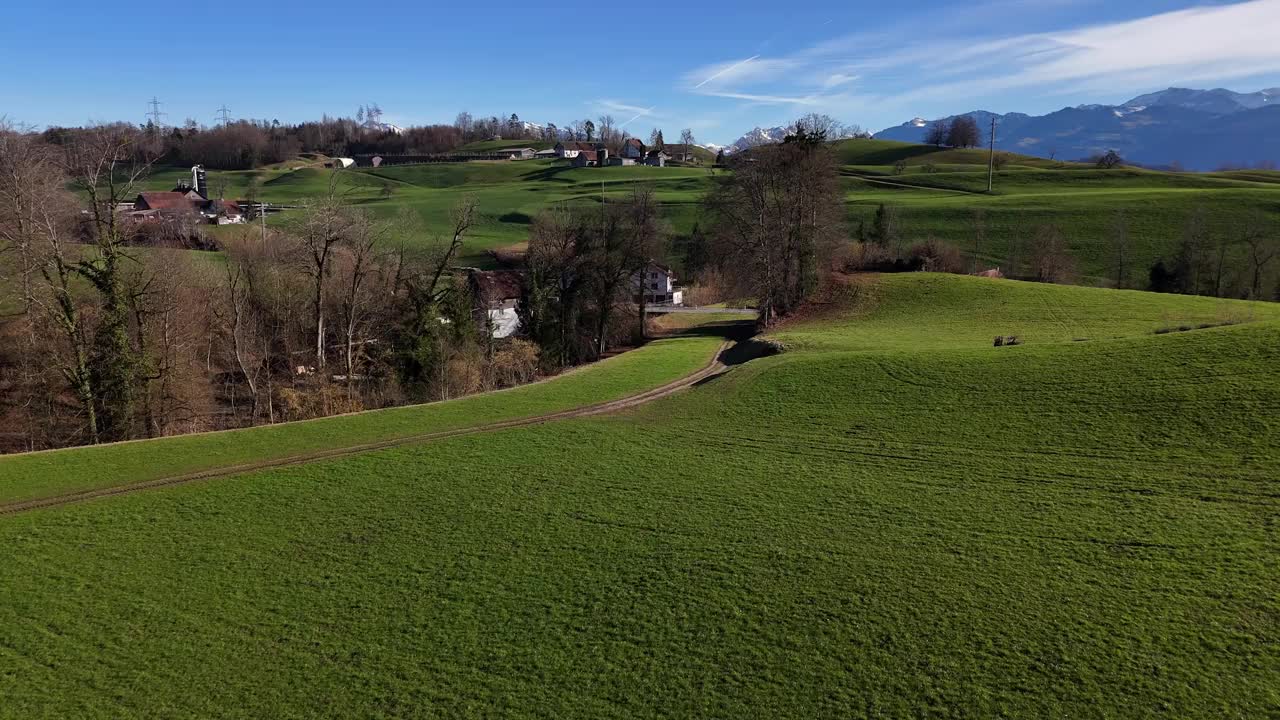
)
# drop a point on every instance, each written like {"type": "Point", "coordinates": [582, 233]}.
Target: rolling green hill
{"type": "Point", "coordinates": [891, 519]}
{"type": "Point", "coordinates": [32, 476]}
{"type": "Point", "coordinates": [483, 146]}
{"type": "Point", "coordinates": [936, 196]}
{"type": "Point", "coordinates": [510, 194]}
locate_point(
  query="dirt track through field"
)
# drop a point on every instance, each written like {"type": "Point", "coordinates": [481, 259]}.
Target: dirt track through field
{"type": "Point", "coordinates": [712, 369]}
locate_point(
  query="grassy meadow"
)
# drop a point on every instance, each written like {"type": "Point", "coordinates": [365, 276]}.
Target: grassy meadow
{"type": "Point", "coordinates": [509, 194]}
{"type": "Point", "coordinates": [891, 519]}
{"type": "Point", "coordinates": [31, 476]}
{"type": "Point", "coordinates": [1081, 200]}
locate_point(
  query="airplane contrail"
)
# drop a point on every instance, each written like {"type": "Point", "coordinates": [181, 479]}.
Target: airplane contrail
{"type": "Point", "coordinates": [637, 117]}
{"type": "Point", "coordinates": [722, 72]}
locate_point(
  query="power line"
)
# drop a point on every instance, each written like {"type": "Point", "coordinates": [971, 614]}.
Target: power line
{"type": "Point", "coordinates": [224, 115]}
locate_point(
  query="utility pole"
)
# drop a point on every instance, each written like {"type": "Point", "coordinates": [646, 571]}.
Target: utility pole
{"type": "Point", "coordinates": [991, 159]}
{"type": "Point", "coordinates": [224, 115]}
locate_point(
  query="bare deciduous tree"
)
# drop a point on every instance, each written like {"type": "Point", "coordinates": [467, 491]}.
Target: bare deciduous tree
{"type": "Point", "coordinates": [978, 226]}
{"type": "Point", "coordinates": [105, 165]}
{"type": "Point", "coordinates": [777, 213]}
{"type": "Point", "coordinates": [1119, 238]}
{"type": "Point", "coordinates": [936, 135]}
{"type": "Point", "coordinates": [1261, 248]}
{"type": "Point", "coordinates": [1050, 258]}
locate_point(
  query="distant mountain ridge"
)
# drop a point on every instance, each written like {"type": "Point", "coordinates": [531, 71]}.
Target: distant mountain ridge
{"type": "Point", "coordinates": [758, 137]}
{"type": "Point", "coordinates": [771, 136]}
{"type": "Point", "coordinates": [1196, 129]}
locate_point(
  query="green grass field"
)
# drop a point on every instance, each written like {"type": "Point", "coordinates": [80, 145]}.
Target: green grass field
{"type": "Point", "coordinates": [891, 519]}
{"type": "Point", "coordinates": [510, 194]}
{"type": "Point", "coordinates": [1081, 200]}
{"type": "Point", "coordinates": [44, 474]}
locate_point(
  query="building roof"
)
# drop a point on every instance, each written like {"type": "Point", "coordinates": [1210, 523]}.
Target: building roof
{"type": "Point", "coordinates": [163, 201]}
{"type": "Point", "coordinates": [658, 153]}
{"type": "Point", "coordinates": [492, 286]}
{"type": "Point", "coordinates": [578, 145]}
{"type": "Point", "coordinates": [588, 154]}
{"type": "Point", "coordinates": [227, 207]}
{"type": "Point", "coordinates": [674, 149]}
{"type": "Point", "coordinates": [635, 142]}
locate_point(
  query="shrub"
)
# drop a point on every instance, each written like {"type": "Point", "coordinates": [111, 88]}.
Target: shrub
{"type": "Point", "coordinates": [868, 257]}
{"type": "Point", "coordinates": [930, 255]}
{"type": "Point", "coordinates": [934, 255]}
{"type": "Point", "coordinates": [316, 400]}
{"type": "Point", "coordinates": [515, 362]}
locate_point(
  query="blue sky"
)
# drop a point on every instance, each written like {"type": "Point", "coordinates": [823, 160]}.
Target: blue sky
{"type": "Point", "coordinates": [718, 67]}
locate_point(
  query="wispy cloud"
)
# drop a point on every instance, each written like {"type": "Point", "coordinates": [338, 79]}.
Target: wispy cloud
{"type": "Point", "coordinates": [899, 68]}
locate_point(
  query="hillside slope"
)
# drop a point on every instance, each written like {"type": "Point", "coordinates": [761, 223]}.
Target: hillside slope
{"type": "Point", "coordinates": [892, 519]}
{"type": "Point", "coordinates": [935, 193]}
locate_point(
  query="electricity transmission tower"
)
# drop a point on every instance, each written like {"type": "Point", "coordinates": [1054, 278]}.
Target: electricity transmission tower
{"type": "Point", "coordinates": [156, 117]}
{"type": "Point", "coordinates": [224, 115]}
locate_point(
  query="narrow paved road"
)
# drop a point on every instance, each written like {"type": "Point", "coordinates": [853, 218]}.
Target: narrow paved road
{"type": "Point", "coordinates": [713, 368]}
{"type": "Point", "coordinates": [680, 309]}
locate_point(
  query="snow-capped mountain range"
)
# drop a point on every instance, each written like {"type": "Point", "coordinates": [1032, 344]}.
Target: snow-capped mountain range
{"type": "Point", "coordinates": [1197, 129]}
{"type": "Point", "coordinates": [758, 137]}
{"type": "Point", "coordinates": [770, 136]}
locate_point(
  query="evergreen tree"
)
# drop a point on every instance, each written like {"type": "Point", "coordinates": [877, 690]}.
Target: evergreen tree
{"type": "Point", "coordinates": [697, 253]}
{"type": "Point", "coordinates": [884, 227]}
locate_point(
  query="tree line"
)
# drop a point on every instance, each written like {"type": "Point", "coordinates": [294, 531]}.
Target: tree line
{"type": "Point", "coordinates": [250, 143]}
{"type": "Point", "coordinates": [1235, 257]}
{"type": "Point", "coordinates": [961, 132]}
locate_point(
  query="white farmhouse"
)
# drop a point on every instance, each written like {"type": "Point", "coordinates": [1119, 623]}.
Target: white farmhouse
{"type": "Point", "coordinates": [658, 285]}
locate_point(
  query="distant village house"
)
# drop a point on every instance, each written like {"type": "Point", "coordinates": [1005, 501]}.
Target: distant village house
{"type": "Point", "coordinates": [657, 158]}
{"type": "Point", "coordinates": [496, 296]}
{"type": "Point", "coordinates": [633, 149]}
{"type": "Point", "coordinates": [585, 158]}
{"type": "Point", "coordinates": [569, 149]}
